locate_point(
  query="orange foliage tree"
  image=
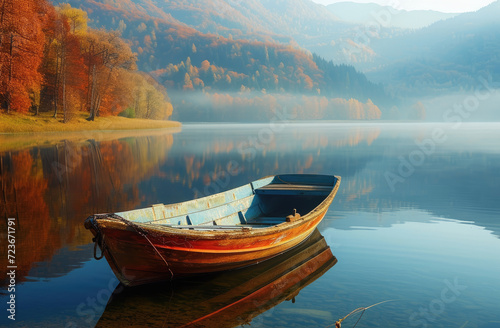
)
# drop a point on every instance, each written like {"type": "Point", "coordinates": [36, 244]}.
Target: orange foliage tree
{"type": "Point", "coordinates": [107, 56]}
{"type": "Point", "coordinates": [50, 59]}
{"type": "Point", "coordinates": [63, 64]}
{"type": "Point", "coordinates": [21, 50]}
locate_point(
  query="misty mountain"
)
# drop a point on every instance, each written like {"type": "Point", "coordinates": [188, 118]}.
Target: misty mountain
{"type": "Point", "coordinates": [280, 20]}
{"type": "Point", "coordinates": [302, 22]}
{"type": "Point", "coordinates": [188, 58]}
{"type": "Point", "coordinates": [261, 46]}
{"type": "Point", "coordinates": [273, 17]}
{"type": "Point", "coordinates": [363, 13]}
{"type": "Point", "coordinates": [449, 54]}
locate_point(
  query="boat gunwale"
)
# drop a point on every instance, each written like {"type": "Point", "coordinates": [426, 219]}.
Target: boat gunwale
{"type": "Point", "coordinates": [107, 221]}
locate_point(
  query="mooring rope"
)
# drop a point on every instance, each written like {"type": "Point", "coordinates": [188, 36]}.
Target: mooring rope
{"type": "Point", "coordinates": [98, 239]}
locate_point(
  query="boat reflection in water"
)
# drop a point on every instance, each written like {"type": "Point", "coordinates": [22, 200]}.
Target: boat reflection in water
{"type": "Point", "coordinates": [227, 299]}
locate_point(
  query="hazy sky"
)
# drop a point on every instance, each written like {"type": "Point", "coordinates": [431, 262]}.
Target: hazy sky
{"type": "Point", "coordinates": [450, 6]}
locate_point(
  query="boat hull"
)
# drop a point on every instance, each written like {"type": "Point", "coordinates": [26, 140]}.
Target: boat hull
{"type": "Point", "coordinates": [143, 253]}
{"type": "Point", "coordinates": [135, 261]}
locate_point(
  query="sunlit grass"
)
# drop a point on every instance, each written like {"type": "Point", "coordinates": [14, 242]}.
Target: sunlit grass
{"type": "Point", "coordinates": [45, 122]}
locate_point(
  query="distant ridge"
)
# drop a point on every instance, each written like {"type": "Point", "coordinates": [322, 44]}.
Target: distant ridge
{"type": "Point", "coordinates": [449, 54]}
{"type": "Point", "coordinates": [361, 13]}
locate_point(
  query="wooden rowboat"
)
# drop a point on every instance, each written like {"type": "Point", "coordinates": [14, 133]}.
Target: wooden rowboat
{"type": "Point", "coordinates": [225, 231]}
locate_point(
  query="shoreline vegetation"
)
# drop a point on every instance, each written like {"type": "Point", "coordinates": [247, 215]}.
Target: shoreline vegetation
{"type": "Point", "coordinates": [17, 123]}
{"type": "Point", "coordinates": [20, 131]}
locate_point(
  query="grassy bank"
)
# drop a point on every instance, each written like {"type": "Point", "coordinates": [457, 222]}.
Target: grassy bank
{"type": "Point", "coordinates": [18, 141]}
{"type": "Point", "coordinates": [45, 122]}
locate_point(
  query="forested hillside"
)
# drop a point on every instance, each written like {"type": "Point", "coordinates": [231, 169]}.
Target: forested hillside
{"type": "Point", "coordinates": [162, 43]}
{"type": "Point", "coordinates": [183, 58]}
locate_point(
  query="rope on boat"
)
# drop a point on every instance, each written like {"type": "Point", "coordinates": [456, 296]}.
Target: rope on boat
{"type": "Point", "coordinates": [101, 245]}
{"type": "Point", "coordinates": [98, 238]}
{"type": "Point", "coordinates": [137, 229]}
{"type": "Point", "coordinates": [338, 323]}
{"type": "Point", "coordinates": [157, 252]}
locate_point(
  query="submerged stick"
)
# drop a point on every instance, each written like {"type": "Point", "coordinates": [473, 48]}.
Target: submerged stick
{"type": "Point", "coordinates": [338, 323]}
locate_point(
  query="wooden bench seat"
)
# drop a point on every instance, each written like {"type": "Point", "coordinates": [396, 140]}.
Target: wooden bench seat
{"type": "Point", "coordinates": [293, 189]}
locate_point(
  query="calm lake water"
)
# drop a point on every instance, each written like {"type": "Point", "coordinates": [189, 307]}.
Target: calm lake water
{"type": "Point", "coordinates": [416, 221]}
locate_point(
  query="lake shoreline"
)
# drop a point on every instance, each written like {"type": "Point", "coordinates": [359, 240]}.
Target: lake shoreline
{"type": "Point", "coordinates": [15, 124]}
{"type": "Point", "coordinates": [19, 141]}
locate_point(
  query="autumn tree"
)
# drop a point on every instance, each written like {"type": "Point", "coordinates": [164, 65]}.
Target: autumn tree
{"type": "Point", "coordinates": [74, 73]}
{"type": "Point", "coordinates": [107, 56]}
{"type": "Point", "coordinates": [372, 111]}
{"type": "Point", "coordinates": [63, 66]}
{"type": "Point", "coordinates": [77, 19]}
{"type": "Point", "coordinates": [205, 65]}
{"type": "Point", "coordinates": [60, 44]}
{"type": "Point", "coordinates": [188, 84]}
{"type": "Point", "coordinates": [21, 51]}
{"type": "Point", "coordinates": [150, 99]}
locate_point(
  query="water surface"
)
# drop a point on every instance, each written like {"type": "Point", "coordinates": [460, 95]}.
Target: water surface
{"type": "Point", "coordinates": [416, 221]}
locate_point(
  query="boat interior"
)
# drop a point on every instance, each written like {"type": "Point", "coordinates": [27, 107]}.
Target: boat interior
{"type": "Point", "coordinates": [266, 202]}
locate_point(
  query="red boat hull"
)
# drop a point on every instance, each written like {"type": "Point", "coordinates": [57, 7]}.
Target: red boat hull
{"type": "Point", "coordinates": [135, 261]}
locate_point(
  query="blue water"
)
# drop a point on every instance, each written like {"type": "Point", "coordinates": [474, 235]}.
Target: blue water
{"type": "Point", "coordinates": [416, 221]}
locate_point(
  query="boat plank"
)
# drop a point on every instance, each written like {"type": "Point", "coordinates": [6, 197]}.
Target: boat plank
{"type": "Point", "coordinates": [219, 227]}
{"type": "Point", "coordinates": [229, 211]}
{"type": "Point", "coordinates": [282, 186]}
